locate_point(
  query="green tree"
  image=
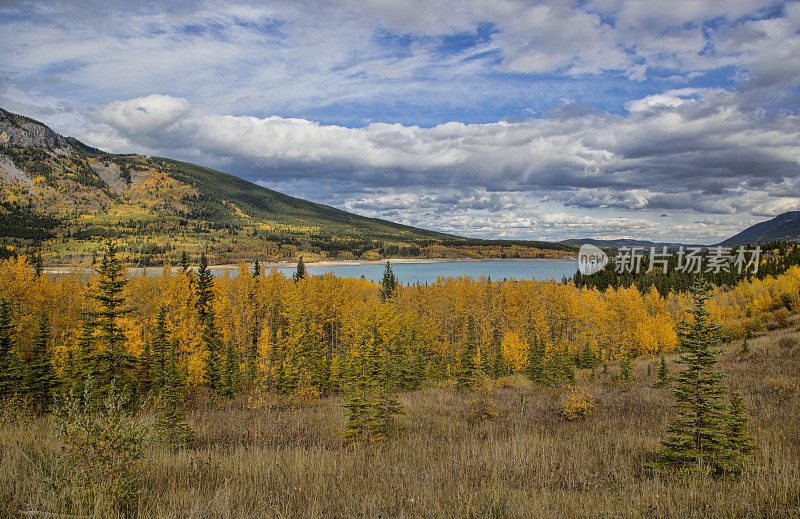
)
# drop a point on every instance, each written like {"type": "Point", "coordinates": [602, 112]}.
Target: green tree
{"type": "Point", "coordinates": [698, 437]}
{"type": "Point", "coordinates": [144, 372]}
{"type": "Point", "coordinates": [535, 367]}
{"type": "Point", "coordinates": [587, 359]}
{"type": "Point", "coordinates": [300, 271]}
{"type": "Point", "coordinates": [626, 367]}
{"type": "Point", "coordinates": [203, 291]}
{"type": "Point", "coordinates": [467, 368]}
{"type": "Point", "coordinates": [499, 365]}
{"type": "Point", "coordinates": [184, 262]}
{"type": "Point", "coordinates": [110, 360]}
{"type": "Point", "coordinates": [213, 357]}
{"type": "Point", "coordinates": [38, 266]}
{"type": "Point", "coordinates": [388, 283]}
{"type": "Point", "coordinates": [171, 425]}
{"type": "Point", "coordinates": [86, 344]}
{"type": "Point", "coordinates": [740, 442]}
{"type": "Point", "coordinates": [160, 349]}
{"type": "Point", "coordinates": [745, 346]}
{"type": "Point", "coordinates": [40, 378]}
{"type": "Point", "coordinates": [664, 375]}
{"type": "Point", "coordinates": [256, 269]}
{"type": "Point", "coordinates": [9, 366]}
{"type": "Point", "coordinates": [230, 371]}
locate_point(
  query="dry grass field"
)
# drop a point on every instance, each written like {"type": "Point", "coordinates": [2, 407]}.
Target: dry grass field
{"type": "Point", "coordinates": [279, 459]}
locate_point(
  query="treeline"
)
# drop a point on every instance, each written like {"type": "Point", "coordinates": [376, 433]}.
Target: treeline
{"type": "Point", "coordinates": [776, 258]}
{"type": "Point", "coordinates": [322, 334]}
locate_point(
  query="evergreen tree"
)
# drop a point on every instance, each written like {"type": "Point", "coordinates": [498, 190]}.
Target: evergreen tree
{"type": "Point", "coordinates": [698, 436]}
{"type": "Point", "coordinates": [626, 367]}
{"type": "Point", "coordinates": [745, 347]}
{"type": "Point", "coordinates": [388, 283]}
{"type": "Point", "coordinates": [38, 266]}
{"type": "Point", "coordinates": [256, 269]}
{"type": "Point", "coordinates": [467, 368]}
{"type": "Point", "coordinates": [144, 375]}
{"type": "Point", "coordinates": [9, 368]}
{"type": "Point", "coordinates": [205, 296]}
{"type": "Point", "coordinates": [230, 371]}
{"type": "Point", "coordinates": [110, 360]}
{"type": "Point", "coordinates": [160, 350]}
{"type": "Point", "coordinates": [740, 442]}
{"type": "Point", "coordinates": [384, 370]}
{"type": "Point", "coordinates": [587, 359]}
{"type": "Point", "coordinates": [664, 375]}
{"type": "Point", "coordinates": [40, 378]}
{"type": "Point", "coordinates": [213, 355]}
{"type": "Point", "coordinates": [499, 366]}
{"type": "Point", "coordinates": [184, 262]}
{"type": "Point", "coordinates": [86, 342]}
{"type": "Point", "coordinates": [359, 403]}
{"type": "Point", "coordinates": [371, 385]}
{"type": "Point", "coordinates": [535, 366]}
{"type": "Point", "coordinates": [300, 271]}
{"type": "Point", "coordinates": [171, 426]}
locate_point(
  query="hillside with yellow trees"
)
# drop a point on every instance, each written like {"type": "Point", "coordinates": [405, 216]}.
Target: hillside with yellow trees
{"type": "Point", "coordinates": [61, 198]}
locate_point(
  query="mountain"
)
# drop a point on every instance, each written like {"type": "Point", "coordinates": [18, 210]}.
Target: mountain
{"type": "Point", "coordinates": [62, 196]}
{"type": "Point", "coordinates": [785, 226]}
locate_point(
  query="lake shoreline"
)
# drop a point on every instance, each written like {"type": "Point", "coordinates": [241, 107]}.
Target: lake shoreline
{"type": "Point", "coordinates": [269, 265]}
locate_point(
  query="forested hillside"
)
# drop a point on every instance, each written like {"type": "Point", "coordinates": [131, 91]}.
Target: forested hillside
{"type": "Point", "coordinates": [60, 196]}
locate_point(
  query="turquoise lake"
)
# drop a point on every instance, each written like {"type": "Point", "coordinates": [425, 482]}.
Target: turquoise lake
{"type": "Point", "coordinates": [412, 273]}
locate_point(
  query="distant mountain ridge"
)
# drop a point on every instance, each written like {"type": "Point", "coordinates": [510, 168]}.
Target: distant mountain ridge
{"type": "Point", "coordinates": [785, 226]}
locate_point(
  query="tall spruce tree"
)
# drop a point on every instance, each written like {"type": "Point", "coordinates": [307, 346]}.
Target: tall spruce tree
{"type": "Point", "coordinates": [467, 368]}
{"type": "Point", "coordinates": [110, 360]}
{"type": "Point", "coordinates": [9, 366]}
{"type": "Point", "coordinates": [388, 283]}
{"type": "Point", "coordinates": [160, 351]}
{"type": "Point", "coordinates": [300, 271]}
{"type": "Point", "coordinates": [698, 437]}
{"type": "Point", "coordinates": [40, 377]}
{"type": "Point", "coordinates": [203, 291]}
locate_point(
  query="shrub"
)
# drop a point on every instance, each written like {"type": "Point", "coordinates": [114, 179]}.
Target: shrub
{"type": "Point", "coordinates": [504, 382]}
{"type": "Point", "coordinates": [481, 408]}
{"type": "Point", "coordinates": [780, 385]}
{"type": "Point", "coordinates": [102, 448]}
{"type": "Point", "coordinates": [577, 404]}
{"type": "Point", "coordinates": [782, 318]}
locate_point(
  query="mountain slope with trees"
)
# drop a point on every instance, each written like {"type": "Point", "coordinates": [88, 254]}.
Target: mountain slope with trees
{"type": "Point", "coordinates": [61, 195]}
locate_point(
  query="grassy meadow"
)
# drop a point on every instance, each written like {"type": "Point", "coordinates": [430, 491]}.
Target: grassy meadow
{"type": "Point", "coordinates": [275, 456]}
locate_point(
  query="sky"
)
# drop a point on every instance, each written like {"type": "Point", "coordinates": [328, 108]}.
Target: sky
{"type": "Point", "coordinates": [554, 119]}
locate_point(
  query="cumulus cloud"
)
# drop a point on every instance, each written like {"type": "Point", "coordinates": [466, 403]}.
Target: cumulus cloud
{"type": "Point", "coordinates": [681, 149]}
{"type": "Point", "coordinates": [472, 116]}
